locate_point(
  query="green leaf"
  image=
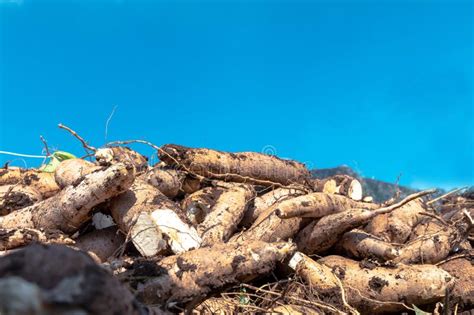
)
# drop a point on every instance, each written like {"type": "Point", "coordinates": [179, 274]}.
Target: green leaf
{"type": "Point", "coordinates": [62, 155]}
{"type": "Point", "coordinates": [54, 160]}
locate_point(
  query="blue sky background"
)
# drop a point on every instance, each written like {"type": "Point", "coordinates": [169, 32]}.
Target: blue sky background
{"type": "Point", "coordinates": [385, 87]}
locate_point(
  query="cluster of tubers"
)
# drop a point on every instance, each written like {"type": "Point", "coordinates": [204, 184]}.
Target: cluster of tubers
{"type": "Point", "coordinates": [206, 232]}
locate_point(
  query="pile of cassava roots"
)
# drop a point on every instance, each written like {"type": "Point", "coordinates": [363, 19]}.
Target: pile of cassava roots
{"type": "Point", "coordinates": [211, 232]}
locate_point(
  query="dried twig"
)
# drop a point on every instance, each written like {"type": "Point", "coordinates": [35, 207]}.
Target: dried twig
{"type": "Point", "coordinates": [46, 148]}
{"type": "Point", "coordinates": [445, 195]}
{"type": "Point", "coordinates": [84, 143]}
{"type": "Point", "coordinates": [434, 216]}
{"type": "Point", "coordinates": [470, 254]}
{"type": "Point", "coordinates": [324, 306]}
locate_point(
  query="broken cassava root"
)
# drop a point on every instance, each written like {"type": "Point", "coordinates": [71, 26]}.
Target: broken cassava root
{"type": "Point", "coordinates": [67, 210]}
{"type": "Point", "coordinates": [339, 184]}
{"type": "Point", "coordinates": [198, 272]}
{"type": "Point", "coordinates": [249, 167]}
{"type": "Point", "coordinates": [389, 289]}
{"type": "Point", "coordinates": [321, 278]}
{"type": "Point", "coordinates": [133, 211]}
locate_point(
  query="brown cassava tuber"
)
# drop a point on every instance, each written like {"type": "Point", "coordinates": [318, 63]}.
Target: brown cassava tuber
{"type": "Point", "coordinates": [198, 272]}
{"type": "Point", "coordinates": [70, 208]}
{"type": "Point", "coordinates": [249, 167]}
{"type": "Point", "coordinates": [378, 290]}
{"type": "Point", "coordinates": [40, 181]}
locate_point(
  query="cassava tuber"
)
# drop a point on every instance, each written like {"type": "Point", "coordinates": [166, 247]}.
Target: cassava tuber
{"type": "Point", "coordinates": [248, 167]}
{"type": "Point", "coordinates": [262, 203]}
{"type": "Point", "coordinates": [71, 207]}
{"type": "Point", "coordinates": [199, 204]}
{"type": "Point", "coordinates": [378, 290]}
{"type": "Point", "coordinates": [432, 241]}
{"type": "Point", "coordinates": [132, 211]}
{"type": "Point", "coordinates": [171, 181]}
{"type": "Point", "coordinates": [359, 244]}
{"type": "Point", "coordinates": [462, 269]}
{"type": "Point", "coordinates": [225, 215]}
{"type": "Point", "coordinates": [322, 235]}
{"type": "Point", "coordinates": [102, 243]}
{"type": "Point", "coordinates": [397, 225]}
{"type": "Point", "coordinates": [317, 205]}
{"type": "Point", "coordinates": [198, 272]}
{"type": "Point", "coordinates": [14, 197]}
{"type": "Point", "coordinates": [43, 182]}
{"type": "Point", "coordinates": [18, 237]}
{"type": "Point", "coordinates": [117, 154]}
{"type": "Point", "coordinates": [72, 171]}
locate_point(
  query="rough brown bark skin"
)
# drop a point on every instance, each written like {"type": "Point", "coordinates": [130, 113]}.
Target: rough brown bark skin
{"type": "Point", "coordinates": [43, 182]}
{"type": "Point", "coordinates": [14, 197]}
{"type": "Point", "coordinates": [167, 180]}
{"type": "Point", "coordinates": [327, 231]}
{"type": "Point", "coordinates": [415, 284]}
{"type": "Point", "coordinates": [14, 238]}
{"type": "Point", "coordinates": [68, 278]}
{"type": "Point", "coordinates": [359, 244]}
{"type": "Point", "coordinates": [117, 154]}
{"type": "Point", "coordinates": [462, 269]}
{"type": "Point", "coordinates": [198, 272]}
{"type": "Point", "coordinates": [72, 171]}
{"type": "Point", "coordinates": [250, 167]}
{"type": "Point", "coordinates": [270, 228]}
{"type": "Point", "coordinates": [103, 243]}
{"type": "Point", "coordinates": [431, 242]}
{"type": "Point", "coordinates": [317, 205]}
{"type": "Point", "coordinates": [67, 210]}
{"type": "Point", "coordinates": [397, 226]}
{"type": "Point", "coordinates": [200, 203]}
{"type": "Point", "coordinates": [225, 215]}
{"type": "Point", "coordinates": [265, 201]}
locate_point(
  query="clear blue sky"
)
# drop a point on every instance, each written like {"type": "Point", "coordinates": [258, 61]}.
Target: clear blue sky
{"type": "Point", "coordinates": [385, 87]}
